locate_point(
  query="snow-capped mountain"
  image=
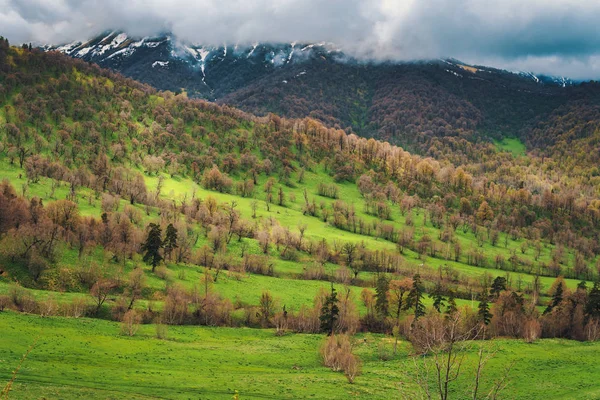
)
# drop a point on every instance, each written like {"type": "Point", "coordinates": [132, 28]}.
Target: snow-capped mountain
{"type": "Point", "coordinates": [388, 100]}
{"type": "Point", "coordinates": [205, 71]}
{"type": "Point", "coordinates": [561, 81]}
{"type": "Point", "coordinates": [212, 72]}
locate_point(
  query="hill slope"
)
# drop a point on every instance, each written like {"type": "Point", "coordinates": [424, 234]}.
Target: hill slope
{"type": "Point", "coordinates": [423, 106]}
{"type": "Point", "coordinates": [123, 203]}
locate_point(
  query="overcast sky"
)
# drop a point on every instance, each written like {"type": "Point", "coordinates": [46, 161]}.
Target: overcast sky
{"type": "Point", "coordinates": [558, 37]}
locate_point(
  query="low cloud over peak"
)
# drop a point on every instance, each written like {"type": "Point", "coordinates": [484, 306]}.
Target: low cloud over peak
{"type": "Point", "coordinates": [556, 37]}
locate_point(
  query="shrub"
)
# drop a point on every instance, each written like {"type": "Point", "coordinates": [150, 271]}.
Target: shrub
{"type": "Point", "coordinates": [22, 299]}
{"type": "Point", "coordinates": [314, 271]}
{"type": "Point", "coordinates": [289, 255]}
{"type": "Point", "coordinates": [384, 352]}
{"type": "Point", "coordinates": [163, 273]}
{"type": "Point", "coordinates": [343, 275]}
{"type": "Point", "coordinates": [592, 329]}
{"type": "Point", "coordinates": [76, 309]}
{"type": "Point", "coordinates": [532, 330]}
{"type": "Point", "coordinates": [307, 320]}
{"type": "Point", "coordinates": [4, 302]}
{"type": "Point", "coordinates": [258, 264]}
{"type": "Point", "coordinates": [176, 306]}
{"type": "Point", "coordinates": [120, 308]}
{"type": "Point", "coordinates": [161, 331]}
{"type": "Point", "coordinates": [110, 203]}
{"type": "Point", "coordinates": [327, 190]}
{"type": "Point", "coordinates": [336, 353]}
{"type": "Point", "coordinates": [48, 307]}
{"type": "Point", "coordinates": [130, 323]}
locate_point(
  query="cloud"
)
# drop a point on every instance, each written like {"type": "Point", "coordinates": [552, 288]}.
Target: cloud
{"type": "Point", "coordinates": [557, 37]}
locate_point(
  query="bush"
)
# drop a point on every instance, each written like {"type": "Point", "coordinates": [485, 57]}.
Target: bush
{"type": "Point", "coordinates": [343, 275]}
{"type": "Point", "coordinates": [307, 319]}
{"type": "Point", "coordinates": [289, 255]}
{"type": "Point", "coordinates": [4, 302]}
{"type": "Point", "coordinates": [327, 190]}
{"type": "Point", "coordinates": [161, 331]}
{"type": "Point", "coordinates": [336, 353]}
{"type": "Point", "coordinates": [532, 330]}
{"type": "Point", "coordinates": [110, 203]}
{"type": "Point", "coordinates": [22, 299]}
{"type": "Point", "coordinates": [37, 265]}
{"type": "Point", "coordinates": [130, 323]}
{"type": "Point", "coordinates": [163, 273]}
{"type": "Point", "coordinates": [175, 310]}
{"type": "Point", "coordinates": [76, 309]}
{"type": "Point", "coordinates": [120, 308]}
{"type": "Point", "coordinates": [384, 352]}
{"type": "Point", "coordinates": [314, 271]}
{"type": "Point", "coordinates": [89, 274]}
{"type": "Point", "coordinates": [48, 307]}
{"type": "Point", "coordinates": [258, 264]}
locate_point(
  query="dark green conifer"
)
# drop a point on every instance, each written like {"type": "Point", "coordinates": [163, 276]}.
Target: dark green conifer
{"type": "Point", "coordinates": [170, 242]}
{"type": "Point", "coordinates": [329, 312]}
{"type": "Point", "coordinates": [484, 314]}
{"type": "Point", "coordinates": [381, 291]}
{"type": "Point", "coordinates": [151, 247]}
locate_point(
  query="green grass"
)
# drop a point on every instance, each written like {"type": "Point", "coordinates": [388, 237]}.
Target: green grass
{"type": "Point", "coordinates": [512, 145]}
{"type": "Point", "coordinates": [87, 358]}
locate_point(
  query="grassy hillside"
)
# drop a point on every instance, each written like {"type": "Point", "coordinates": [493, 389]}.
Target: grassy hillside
{"type": "Point", "coordinates": [256, 222]}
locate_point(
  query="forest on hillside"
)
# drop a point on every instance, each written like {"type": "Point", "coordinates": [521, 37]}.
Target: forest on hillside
{"type": "Point", "coordinates": [149, 207]}
{"type": "Point", "coordinates": [432, 110]}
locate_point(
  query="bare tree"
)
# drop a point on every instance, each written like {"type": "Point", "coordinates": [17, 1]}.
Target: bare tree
{"type": "Point", "coordinates": [100, 291]}
{"type": "Point", "coordinates": [135, 285]}
{"type": "Point", "coordinates": [441, 344]}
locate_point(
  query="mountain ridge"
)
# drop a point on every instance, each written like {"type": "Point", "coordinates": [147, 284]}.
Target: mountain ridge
{"type": "Point", "coordinates": [111, 48]}
{"type": "Point", "coordinates": [433, 108]}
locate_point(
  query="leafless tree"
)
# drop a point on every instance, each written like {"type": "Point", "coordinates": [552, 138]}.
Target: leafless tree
{"type": "Point", "coordinates": [441, 344]}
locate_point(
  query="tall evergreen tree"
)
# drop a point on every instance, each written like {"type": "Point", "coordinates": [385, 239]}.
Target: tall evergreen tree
{"type": "Point", "coordinates": [329, 312]}
{"type": "Point", "coordinates": [415, 297]}
{"type": "Point", "coordinates": [592, 308]}
{"type": "Point", "coordinates": [151, 247]}
{"type": "Point", "coordinates": [451, 308]}
{"type": "Point", "coordinates": [381, 292]}
{"type": "Point", "coordinates": [170, 242]}
{"type": "Point", "coordinates": [483, 312]}
{"type": "Point", "coordinates": [438, 299]}
{"type": "Point", "coordinates": [498, 286]}
{"type": "Point", "coordinates": [557, 297]}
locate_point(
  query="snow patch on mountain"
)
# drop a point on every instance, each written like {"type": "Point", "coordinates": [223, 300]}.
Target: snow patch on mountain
{"type": "Point", "coordinates": [454, 73]}
{"type": "Point", "coordinates": [67, 48]}
{"type": "Point", "coordinates": [84, 51]}
{"type": "Point", "coordinates": [254, 46]}
{"type": "Point", "coordinates": [116, 42]}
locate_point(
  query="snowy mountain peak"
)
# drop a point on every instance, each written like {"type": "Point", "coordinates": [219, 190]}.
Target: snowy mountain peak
{"type": "Point", "coordinates": [211, 72]}
{"type": "Point", "coordinates": [166, 62]}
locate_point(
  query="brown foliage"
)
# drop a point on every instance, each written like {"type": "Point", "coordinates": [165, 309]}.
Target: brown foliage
{"type": "Point", "coordinates": [336, 354]}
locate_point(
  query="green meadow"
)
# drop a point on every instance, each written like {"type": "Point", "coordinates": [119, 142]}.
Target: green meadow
{"type": "Point", "coordinates": [88, 358]}
{"type": "Point", "coordinates": [512, 145]}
